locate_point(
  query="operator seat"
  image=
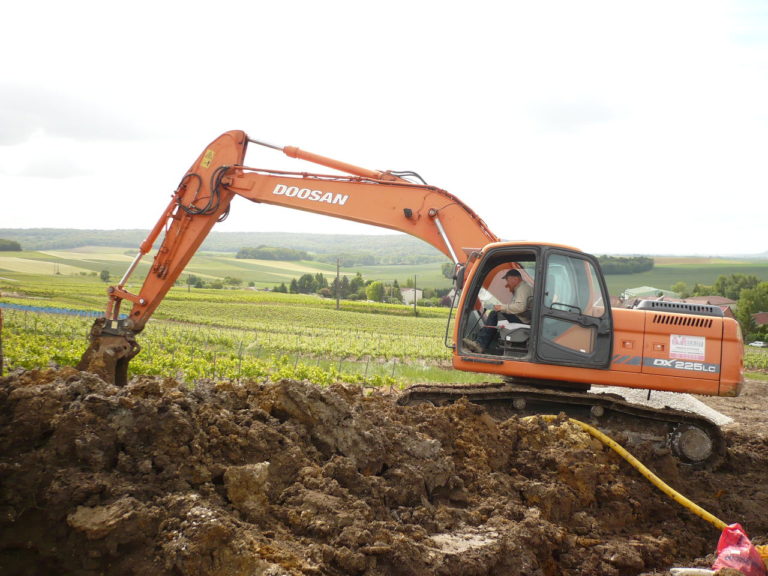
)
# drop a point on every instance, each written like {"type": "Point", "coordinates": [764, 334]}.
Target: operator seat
{"type": "Point", "coordinates": [514, 335]}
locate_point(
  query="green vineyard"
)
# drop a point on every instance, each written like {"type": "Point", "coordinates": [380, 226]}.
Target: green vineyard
{"type": "Point", "coordinates": [281, 336]}
{"type": "Point", "coordinates": [242, 334]}
{"type": "Point", "coordinates": [756, 360]}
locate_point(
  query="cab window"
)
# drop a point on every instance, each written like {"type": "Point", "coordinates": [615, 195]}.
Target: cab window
{"type": "Point", "coordinates": [572, 292]}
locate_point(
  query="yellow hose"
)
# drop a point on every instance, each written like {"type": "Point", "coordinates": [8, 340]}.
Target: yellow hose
{"type": "Point", "coordinates": [655, 480]}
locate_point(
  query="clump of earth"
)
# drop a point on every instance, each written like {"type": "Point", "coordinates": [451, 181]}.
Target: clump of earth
{"type": "Point", "coordinates": [288, 478]}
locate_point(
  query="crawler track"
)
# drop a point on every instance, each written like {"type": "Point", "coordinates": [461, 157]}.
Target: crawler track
{"type": "Point", "coordinates": [693, 438]}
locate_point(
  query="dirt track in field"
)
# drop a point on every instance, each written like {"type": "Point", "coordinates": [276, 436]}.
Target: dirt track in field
{"type": "Point", "coordinates": [287, 478]}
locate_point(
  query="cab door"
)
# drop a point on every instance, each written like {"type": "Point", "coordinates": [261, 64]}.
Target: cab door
{"type": "Point", "coordinates": [574, 325]}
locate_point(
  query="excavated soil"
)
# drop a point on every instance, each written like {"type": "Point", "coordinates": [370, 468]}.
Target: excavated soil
{"type": "Point", "coordinates": [288, 478]}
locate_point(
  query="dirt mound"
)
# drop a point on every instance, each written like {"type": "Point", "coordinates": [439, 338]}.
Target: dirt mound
{"type": "Point", "coordinates": [288, 478]}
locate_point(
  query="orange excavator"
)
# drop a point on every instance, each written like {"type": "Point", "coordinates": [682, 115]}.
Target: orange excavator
{"type": "Point", "coordinates": [557, 357]}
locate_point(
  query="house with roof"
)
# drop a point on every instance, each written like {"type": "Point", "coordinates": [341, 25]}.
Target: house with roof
{"type": "Point", "coordinates": [410, 294]}
{"type": "Point", "coordinates": [760, 319]}
{"type": "Point", "coordinates": [727, 305]}
{"type": "Point", "coordinates": [647, 293]}
{"type": "Point", "coordinates": [712, 300]}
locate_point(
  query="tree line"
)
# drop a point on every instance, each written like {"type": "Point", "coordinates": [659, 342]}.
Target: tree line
{"type": "Point", "coordinates": [752, 301]}
{"type": "Point", "coordinates": [346, 259]}
{"type": "Point", "coordinates": [9, 246]}
{"type": "Point", "coordinates": [625, 264]}
{"type": "Point", "coordinates": [272, 253]}
{"type": "Point", "coordinates": [749, 293]}
{"type": "Point", "coordinates": [358, 288]}
{"type": "Point", "coordinates": [386, 258]}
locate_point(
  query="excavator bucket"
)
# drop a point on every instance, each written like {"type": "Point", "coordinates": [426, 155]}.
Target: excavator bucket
{"type": "Point", "coordinates": [109, 353]}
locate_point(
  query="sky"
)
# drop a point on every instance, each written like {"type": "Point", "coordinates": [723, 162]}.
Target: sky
{"type": "Point", "coordinates": [616, 127]}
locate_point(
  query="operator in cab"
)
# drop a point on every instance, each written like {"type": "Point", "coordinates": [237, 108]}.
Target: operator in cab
{"type": "Point", "coordinates": [517, 311]}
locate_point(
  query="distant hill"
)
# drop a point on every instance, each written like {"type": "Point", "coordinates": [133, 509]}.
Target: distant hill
{"type": "Point", "coordinates": [352, 248]}
{"type": "Point", "coordinates": [367, 249]}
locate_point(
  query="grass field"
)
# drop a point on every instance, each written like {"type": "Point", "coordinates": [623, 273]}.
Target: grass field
{"type": "Point", "coordinates": [39, 266]}
{"type": "Point", "coordinates": [263, 273]}
{"type": "Point", "coordinates": [691, 271]}
{"type": "Point", "coordinates": [267, 274]}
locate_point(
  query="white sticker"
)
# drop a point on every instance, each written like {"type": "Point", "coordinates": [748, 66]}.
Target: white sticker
{"type": "Point", "coordinates": [687, 347]}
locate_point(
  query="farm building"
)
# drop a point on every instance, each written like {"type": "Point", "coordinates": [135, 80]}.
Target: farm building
{"type": "Point", "coordinates": [647, 292]}
{"type": "Point", "coordinates": [727, 305]}
{"type": "Point", "coordinates": [713, 300]}
{"type": "Point", "coordinates": [409, 294]}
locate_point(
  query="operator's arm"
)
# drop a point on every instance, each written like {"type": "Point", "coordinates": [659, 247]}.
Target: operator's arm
{"type": "Point", "coordinates": [521, 300]}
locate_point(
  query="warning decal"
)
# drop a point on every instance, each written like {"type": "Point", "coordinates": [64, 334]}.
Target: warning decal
{"type": "Point", "coordinates": [687, 347]}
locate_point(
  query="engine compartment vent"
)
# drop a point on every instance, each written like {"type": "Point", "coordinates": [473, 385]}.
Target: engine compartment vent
{"type": "Point", "coordinates": [673, 320]}
{"type": "Point", "coordinates": [681, 308]}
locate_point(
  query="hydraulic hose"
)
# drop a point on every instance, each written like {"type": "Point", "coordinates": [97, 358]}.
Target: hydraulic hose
{"type": "Point", "coordinates": [655, 480]}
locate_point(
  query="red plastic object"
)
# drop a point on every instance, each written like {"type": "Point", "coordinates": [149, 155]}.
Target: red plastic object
{"type": "Point", "coordinates": [735, 550]}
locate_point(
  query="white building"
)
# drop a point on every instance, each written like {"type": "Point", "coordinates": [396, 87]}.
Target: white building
{"type": "Point", "coordinates": [409, 294]}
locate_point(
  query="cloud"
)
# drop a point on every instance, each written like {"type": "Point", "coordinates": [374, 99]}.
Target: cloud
{"type": "Point", "coordinates": [570, 115]}
{"type": "Point", "coordinates": [16, 126]}
{"type": "Point", "coordinates": [53, 167]}
{"type": "Point", "coordinates": [27, 110]}
{"type": "Point", "coordinates": [527, 112]}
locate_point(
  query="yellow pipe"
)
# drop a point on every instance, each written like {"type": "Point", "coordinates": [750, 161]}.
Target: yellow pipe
{"type": "Point", "coordinates": [655, 480]}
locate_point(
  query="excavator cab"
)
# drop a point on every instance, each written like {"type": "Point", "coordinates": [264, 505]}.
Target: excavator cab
{"type": "Point", "coordinates": [568, 319]}
{"type": "Point", "coordinates": [550, 364]}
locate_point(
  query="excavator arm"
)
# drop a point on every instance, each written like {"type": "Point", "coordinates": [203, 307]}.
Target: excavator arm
{"type": "Point", "coordinates": [203, 198]}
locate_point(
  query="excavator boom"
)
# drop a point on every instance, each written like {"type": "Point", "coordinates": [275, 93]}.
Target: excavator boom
{"type": "Point", "coordinates": [203, 198]}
